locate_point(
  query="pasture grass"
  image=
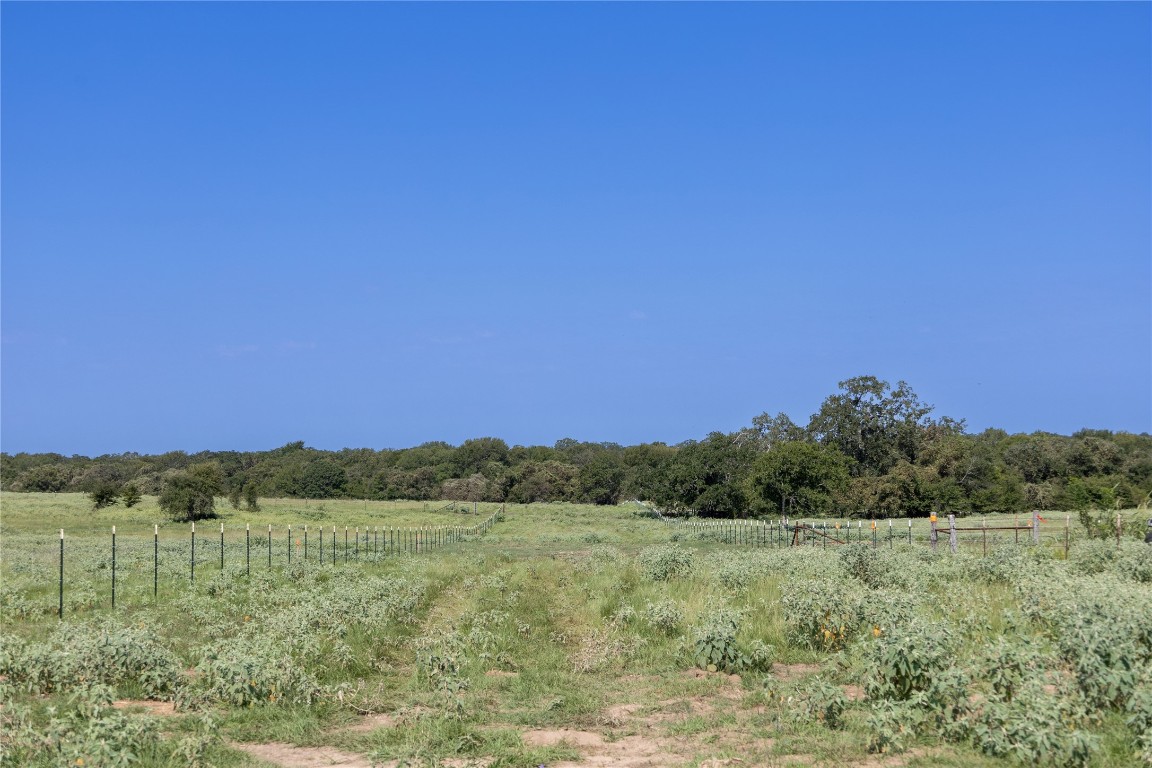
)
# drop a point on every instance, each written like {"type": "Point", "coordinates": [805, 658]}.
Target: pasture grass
{"type": "Point", "coordinates": [552, 637]}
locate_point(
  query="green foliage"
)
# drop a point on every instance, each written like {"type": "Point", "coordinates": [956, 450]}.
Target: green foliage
{"type": "Point", "coordinates": [818, 701]}
{"type": "Point", "coordinates": [875, 425]}
{"type": "Point", "coordinates": [249, 671]}
{"type": "Point", "coordinates": [1009, 664]}
{"type": "Point", "coordinates": [601, 480]}
{"type": "Point", "coordinates": [88, 732]}
{"type": "Point", "coordinates": [901, 458]}
{"type": "Point", "coordinates": [892, 725]}
{"type": "Point", "coordinates": [906, 660]}
{"type": "Point", "coordinates": [863, 561]}
{"type": "Point", "coordinates": [1035, 728]}
{"type": "Point", "coordinates": [665, 561]}
{"type": "Point", "coordinates": [799, 477]}
{"type": "Point", "coordinates": [130, 495]}
{"type": "Point", "coordinates": [664, 615]}
{"type": "Point", "coordinates": [104, 494]}
{"type": "Point", "coordinates": [82, 654]}
{"type": "Point", "coordinates": [251, 498]}
{"type": "Point", "coordinates": [189, 496]}
{"type": "Point", "coordinates": [707, 477]}
{"type": "Point", "coordinates": [714, 645]}
{"type": "Point", "coordinates": [820, 614]}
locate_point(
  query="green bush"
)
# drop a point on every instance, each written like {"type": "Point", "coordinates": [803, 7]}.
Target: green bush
{"type": "Point", "coordinates": [820, 614]}
{"type": "Point", "coordinates": [819, 701]}
{"type": "Point", "coordinates": [714, 645]}
{"type": "Point", "coordinates": [664, 562]}
{"type": "Point", "coordinates": [664, 616]}
{"type": "Point", "coordinates": [248, 671]}
{"type": "Point", "coordinates": [82, 654]}
{"type": "Point", "coordinates": [904, 661]}
{"type": "Point", "coordinates": [87, 732]}
{"type": "Point", "coordinates": [1034, 728]}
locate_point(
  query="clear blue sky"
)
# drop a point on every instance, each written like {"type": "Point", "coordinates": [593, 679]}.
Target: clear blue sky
{"type": "Point", "coordinates": [231, 226]}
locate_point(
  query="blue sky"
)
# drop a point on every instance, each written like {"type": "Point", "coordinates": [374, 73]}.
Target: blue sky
{"type": "Point", "coordinates": [231, 226]}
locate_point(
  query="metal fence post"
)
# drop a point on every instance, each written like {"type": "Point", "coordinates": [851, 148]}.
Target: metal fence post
{"type": "Point", "coordinates": [113, 567]}
{"type": "Point", "coordinates": [60, 610]}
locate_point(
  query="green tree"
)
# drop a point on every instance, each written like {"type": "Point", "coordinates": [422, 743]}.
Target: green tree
{"type": "Point", "coordinates": [130, 495]}
{"type": "Point", "coordinates": [542, 481]}
{"type": "Point", "coordinates": [46, 478]}
{"type": "Point", "coordinates": [601, 480]}
{"type": "Point", "coordinates": [707, 477]}
{"type": "Point", "coordinates": [797, 478]}
{"type": "Point", "coordinates": [876, 425]}
{"type": "Point", "coordinates": [251, 498]}
{"type": "Point", "coordinates": [323, 479]}
{"type": "Point", "coordinates": [189, 496]}
{"type": "Point", "coordinates": [474, 456]}
{"type": "Point", "coordinates": [104, 493]}
{"type": "Point", "coordinates": [768, 431]}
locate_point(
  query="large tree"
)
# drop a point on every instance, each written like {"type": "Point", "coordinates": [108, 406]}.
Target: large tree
{"type": "Point", "coordinates": [707, 477]}
{"type": "Point", "coordinates": [190, 495]}
{"type": "Point", "coordinates": [797, 478]}
{"type": "Point", "coordinates": [875, 425]}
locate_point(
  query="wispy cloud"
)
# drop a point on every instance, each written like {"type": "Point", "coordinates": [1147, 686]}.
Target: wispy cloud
{"type": "Point", "coordinates": [637, 315]}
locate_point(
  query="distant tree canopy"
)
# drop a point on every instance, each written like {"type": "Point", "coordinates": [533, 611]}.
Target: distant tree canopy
{"type": "Point", "coordinates": [872, 449]}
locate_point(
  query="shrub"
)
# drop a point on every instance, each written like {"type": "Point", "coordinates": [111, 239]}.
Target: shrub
{"type": "Point", "coordinates": [249, 671]}
{"type": "Point", "coordinates": [80, 655]}
{"type": "Point", "coordinates": [665, 561]}
{"type": "Point", "coordinates": [104, 494]}
{"type": "Point", "coordinates": [1035, 729]}
{"type": "Point", "coordinates": [861, 561]}
{"type": "Point", "coordinates": [892, 725]}
{"type": "Point", "coordinates": [820, 614]}
{"type": "Point", "coordinates": [905, 661]}
{"type": "Point", "coordinates": [819, 701]}
{"type": "Point", "coordinates": [1134, 561]}
{"type": "Point", "coordinates": [714, 644]}
{"type": "Point", "coordinates": [664, 616]}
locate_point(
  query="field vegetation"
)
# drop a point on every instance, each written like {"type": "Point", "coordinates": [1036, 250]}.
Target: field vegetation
{"type": "Point", "coordinates": [564, 635]}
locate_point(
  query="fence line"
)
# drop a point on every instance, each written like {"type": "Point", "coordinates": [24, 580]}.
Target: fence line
{"type": "Point", "coordinates": [782, 532]}
{"type": "Point", "coordinates": [395, 541]}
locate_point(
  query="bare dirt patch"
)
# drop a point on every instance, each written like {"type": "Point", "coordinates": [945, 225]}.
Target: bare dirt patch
{"type": "Point", "coordinates": [157, 708]}
{"type": "Point", "coordinates": [853, 692]}
{"type": "Point", "coordinates": [500, 673]}
{"type": "Point", "coordinates": [620, 713]}
{"type": "Point", "coordinates": [628, 752]}
{"type": "Point", "coordinates": [788, 672]}
{"type": "Point", "coordinates": [288, 756]}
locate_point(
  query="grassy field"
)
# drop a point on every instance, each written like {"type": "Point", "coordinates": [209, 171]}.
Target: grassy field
{"type": "Point", "coordinates": [564, 635]}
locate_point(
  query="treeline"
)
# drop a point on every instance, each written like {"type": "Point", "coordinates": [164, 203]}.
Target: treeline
{"type": "Point", "coordinates": [871, 450]}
